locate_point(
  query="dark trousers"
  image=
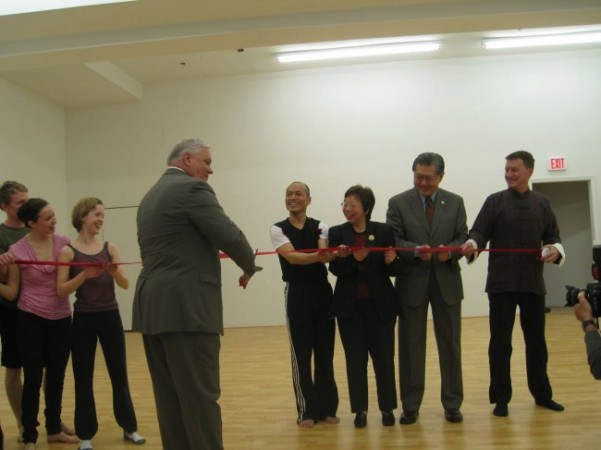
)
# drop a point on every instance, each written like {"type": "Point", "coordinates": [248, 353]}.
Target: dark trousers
{"type": "Point", "coordinates": [44, 344]}
{"type": "Point", "coordinates": [11, 356]}
{"type": "Point", "coordinates": [363, 334]}
{"type": "Point", "coordinates": [185, 377]}
{"type": "Point", "coordinates": [312, 332]}
{"type": "Point", "coordinates": [87, 330]}
{"type": "Point", "coordinates": [532, 318]}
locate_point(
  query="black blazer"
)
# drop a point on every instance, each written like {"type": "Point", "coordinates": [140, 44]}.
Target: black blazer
{"type": "Point", "coordinates": [378, 272]}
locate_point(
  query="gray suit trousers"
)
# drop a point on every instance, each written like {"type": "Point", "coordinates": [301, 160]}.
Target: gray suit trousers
{"type": "Point", "coordinates": [412, 350]}
{"type": "Point", "coordinates": [185, 376]}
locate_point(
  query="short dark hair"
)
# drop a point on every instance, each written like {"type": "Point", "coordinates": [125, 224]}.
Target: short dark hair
{"type": "Point", "coordinates": [524, 156]}
{"type": "Point", "coordinates": [429, 159]}
{"type": "Point", "coordinates": [30, 211]}
{"type": "Point", "coordinates": [81, 209]}
{"type": "Point", "coordinates": [10, 188]}
{"type": "Point", "coordinates": [366, 197]}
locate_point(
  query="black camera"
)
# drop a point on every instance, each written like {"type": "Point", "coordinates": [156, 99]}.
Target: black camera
{"type": "Point", "coordinates": [592, 292]}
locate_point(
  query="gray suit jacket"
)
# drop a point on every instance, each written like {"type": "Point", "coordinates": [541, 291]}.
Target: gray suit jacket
{"type": "Point", "coordinates": [406, 215]}
{"type": "Point", "coordinates": [181, 228]}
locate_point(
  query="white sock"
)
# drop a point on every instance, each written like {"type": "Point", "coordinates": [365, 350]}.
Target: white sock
{"type": "Point", "coordinates": [135, 437]}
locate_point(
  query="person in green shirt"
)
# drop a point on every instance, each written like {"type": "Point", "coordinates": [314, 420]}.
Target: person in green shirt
{"type": "Point", "coordinates": [12, 195]}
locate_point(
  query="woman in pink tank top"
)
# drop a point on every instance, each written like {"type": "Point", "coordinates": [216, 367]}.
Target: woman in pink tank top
{"type": "Point", "coordinates": [44, 321]}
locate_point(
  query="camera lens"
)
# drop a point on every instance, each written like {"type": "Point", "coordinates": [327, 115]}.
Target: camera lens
{"type": "Point", "coordinates": [572, 295]}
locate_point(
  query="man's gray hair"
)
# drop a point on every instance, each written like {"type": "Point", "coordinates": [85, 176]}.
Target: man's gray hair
{"type": "Point", "coordinates": [186, 146]}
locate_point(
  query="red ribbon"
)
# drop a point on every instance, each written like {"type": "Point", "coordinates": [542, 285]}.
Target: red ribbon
{"type": "Point", "coordinates": [70, 263]}
{"type": "Point", "coordinates": [398, 249]}
{"type": "Point", "coordinates": [305, 250]}
{"type": "Point", "coordinates": [442, 249]}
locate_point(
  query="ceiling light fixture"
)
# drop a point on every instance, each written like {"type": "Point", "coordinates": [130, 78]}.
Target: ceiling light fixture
{"type": "Point", "coordinates": [541, 40]}
{"type": "Point", "coordinates": [12, 7]}
{"type": "Point", "coordinates": [357, 51]}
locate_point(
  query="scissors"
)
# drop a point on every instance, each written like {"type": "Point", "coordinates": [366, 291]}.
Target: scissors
{"type": "Point", "coordinates": [257, 268]}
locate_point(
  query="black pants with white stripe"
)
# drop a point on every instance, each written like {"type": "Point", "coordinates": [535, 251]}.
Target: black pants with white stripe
{"type": "Point", "coordinates": [311, 330]}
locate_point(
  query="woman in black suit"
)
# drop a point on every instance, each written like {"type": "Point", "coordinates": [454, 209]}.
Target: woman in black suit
{"type": "Point", "coordinates": [365, 302]}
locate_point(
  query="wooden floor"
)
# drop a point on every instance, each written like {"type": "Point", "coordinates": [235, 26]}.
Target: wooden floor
{"type": "Point", "coordinates": [259, 413]}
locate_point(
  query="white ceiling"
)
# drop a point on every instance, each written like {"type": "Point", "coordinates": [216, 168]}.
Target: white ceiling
{"type": "Point", "coordinates": [93, 56]}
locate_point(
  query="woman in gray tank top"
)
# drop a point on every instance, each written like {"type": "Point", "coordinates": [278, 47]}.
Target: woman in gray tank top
{"type": "Point", "coordinates": [96, 318]}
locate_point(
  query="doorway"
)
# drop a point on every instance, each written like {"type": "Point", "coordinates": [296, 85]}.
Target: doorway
{"type": "Point", "coordinates": [571, 203]}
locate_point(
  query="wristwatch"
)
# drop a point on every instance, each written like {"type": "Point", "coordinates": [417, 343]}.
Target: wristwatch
{"type": "Point", "coordinates": [586, 323]}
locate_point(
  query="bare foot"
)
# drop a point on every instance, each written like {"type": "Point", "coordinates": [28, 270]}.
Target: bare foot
{"type": "Point", "coordinates": [67, 429]}
{"type": "Point", "coordinates": [331, 419]}
{"type": "Point", "coordinates": [307, 423]}
{"type": "Point", "coordinates": [62, 437]}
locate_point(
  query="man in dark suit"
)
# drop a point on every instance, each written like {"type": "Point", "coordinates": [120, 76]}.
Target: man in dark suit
{"type": "Point", "coordinates": [178, 305]}
{"type": "Point", "coordinates": [424, 218]}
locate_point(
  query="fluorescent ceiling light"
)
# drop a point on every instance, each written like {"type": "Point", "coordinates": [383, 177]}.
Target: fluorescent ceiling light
{"type": "Point", "coordinates": [358, 51]}
{"type": "Point", "coordinates": [542, 40]}
{"type": "Point", "coordinates": [10, 7]}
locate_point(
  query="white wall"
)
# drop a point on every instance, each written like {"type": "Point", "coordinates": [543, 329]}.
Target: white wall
{"type": "Point", "coordinates": [336, 127]}
{"type": "Point", "coordinates": [32, 147]}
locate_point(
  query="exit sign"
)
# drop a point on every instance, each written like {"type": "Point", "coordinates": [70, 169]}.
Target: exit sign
{"type": "Point", "coordinates": [557, 163]}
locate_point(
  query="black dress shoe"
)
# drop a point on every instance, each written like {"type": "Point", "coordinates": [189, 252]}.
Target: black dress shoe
{"type": "Point", "coordinates": [388, 418]}
{"type": "Point", "coordinates": [453, 415]}
{"type": "Point", "coordinates": [501, 410]}
{"type": "Point", "coordinates": [408, 417]}
{"type": "Point", "coordinates": [360, 420]}
{"type": "Point", "coordinates": [550, 404]}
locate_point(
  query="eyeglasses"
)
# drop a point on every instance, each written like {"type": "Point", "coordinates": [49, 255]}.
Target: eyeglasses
{"type": "Point", "coordinates": [428, 179]}
{"type": "Point", "coordinates": [349, 205]}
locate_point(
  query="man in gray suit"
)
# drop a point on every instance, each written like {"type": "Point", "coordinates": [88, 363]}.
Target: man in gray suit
{"type": "Point", "coordinates": [423, 218]}
{"type": "Point", "coordinates": [178, 305]}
